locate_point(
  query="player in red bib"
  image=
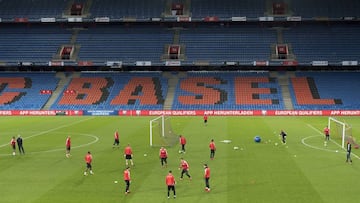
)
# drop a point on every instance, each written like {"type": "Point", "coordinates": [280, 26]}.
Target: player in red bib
{"type": "Point", "coordinates": [128, 154]}
{"type": "Point", "coordinates": [127, 180]}
{"type": "Point", "coordinates": [116, 139]}
{"type": "Point", "coordinates": [163, 156]}
{"type": "Point", "coordinates": [327, 133]}
{"type": "Point", "coordinates": [13, 145]}
{"type": "Point", "coordinates": [170, 182]}
{"type": "Point", "coordinates": [212, 149]}
{"type": "Point", "coordinates": [88, 160]}
{"type": "Point", "coordinates": [184, 166]}
{"type": "Point", "coordinates": [182, 141]}
{"type": "Point", "coordinates": [68, 146]}
{"type": "Point", "coordinates": [207, 177]}
{"type": "Point", "coordinates": [205, 119]}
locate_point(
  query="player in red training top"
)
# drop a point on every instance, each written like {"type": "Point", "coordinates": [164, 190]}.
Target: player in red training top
{"type": "Point", "coordinates": [116, 139]}
{"type": "Point", "coordinates": [327, 133]}
{"type": "Point", "coordinates": [13, 145]}
{"type": "Point", "coordinates": [182, 141]}
{"type": "Point", "coordinates": [212, 149]}
{"type": "Point", "coordinates": [163, 156]}
{"type": "Point", "coordinates": [170, 182]}
{"type": "Point", "coordinates": [88, 160]}
{"type": "Point", "coordinates": [128, 154]}
{"type": "Point", "coordinates": [68, 146]}
{"type": "Point", "coordinates": [185, 169]}
{"type": "Point", "coordinates": [207, 177]}
{"type": "Point", "coordinates": [127, 180]}
{"type": "Point", "coordinates": [205, 119]}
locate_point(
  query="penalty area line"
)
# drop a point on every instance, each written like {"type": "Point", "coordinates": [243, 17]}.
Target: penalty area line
{"type": "Point", "coordinates": [311, 146]}
{"type": "Point", "coordinates": [318, 131]}
{"type": "Point", "coordinates": [50, 130]}
{"type": "Point", "coordinates": [96, 139]}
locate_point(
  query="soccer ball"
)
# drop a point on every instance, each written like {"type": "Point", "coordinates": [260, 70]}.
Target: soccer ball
{"type": "Point", "coordinates": [13, 153]}
{"type": "Point", "coordinates": [115, 181]}
{"type": "Point", "coordinates": [145, 154]}
{"type": "Point", "coordinates": [257, 139]}
{"type": "Point", "coordinates": [180, 151]}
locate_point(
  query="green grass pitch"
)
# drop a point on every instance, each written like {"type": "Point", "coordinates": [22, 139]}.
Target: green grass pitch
{"type": "Point", "coordinates": [303, 170]}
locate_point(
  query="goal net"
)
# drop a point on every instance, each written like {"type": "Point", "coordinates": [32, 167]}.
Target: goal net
{"type": "Point", "coordinates": [161, 133]}
{"type": "Point", "coordinates": [341, 132]}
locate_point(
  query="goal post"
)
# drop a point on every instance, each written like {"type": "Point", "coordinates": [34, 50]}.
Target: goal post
{"type": "Point", "coordinates": [341, 131]}
{"type": "Point", "coordinates": [161, 133]}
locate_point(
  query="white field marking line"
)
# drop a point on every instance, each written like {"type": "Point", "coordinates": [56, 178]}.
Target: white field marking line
{"type": "Point", "coordinates": [317, 130]}
{"type": "Point", "coordinates": [318, 148]}
{"type": "Point", "coordinates": [61, 149]}
{"type": "Point", "coordinates": [79, 146]}
{"type": "Point", "coordinates": [53, 129]}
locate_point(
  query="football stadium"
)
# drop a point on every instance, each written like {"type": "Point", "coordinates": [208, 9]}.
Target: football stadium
{"type": "Point", "coordinates": [179, 101]}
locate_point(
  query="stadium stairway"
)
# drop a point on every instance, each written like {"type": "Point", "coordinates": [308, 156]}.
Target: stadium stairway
{"type": "Point", "coordinates": [283, 79]}
{"type": "Point", "coordinates": [85, 11]}
{"type": "Point", "coordinates": [64, 80]}
{"type": "Point", "coordinates": [173, 81]}
{"type": "Point", "coordinates": [72, 42]}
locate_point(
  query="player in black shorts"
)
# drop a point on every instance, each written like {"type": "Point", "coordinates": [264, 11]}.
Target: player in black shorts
{"type": "Point", "coordinates": [283, 136]}
{"type": "Point", "coordinates": [205, 119]}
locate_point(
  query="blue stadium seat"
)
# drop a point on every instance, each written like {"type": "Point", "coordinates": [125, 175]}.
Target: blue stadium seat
{"type": "Point", "coordinates": [139, 9]}
{"type": "Point", "coordinates": [227, 85]}
{"type": "Point", "coordinates": [120, 80]}
{"type": "Point", "coordinates": [332, 85]}
{"type": "Point", "coordinates": [227, 8]}
{"type": "Point", "coordinates": [333, 43]}
{"type": "Point", "coordinates": [114, 43]}
{"type": "Point", "coordinates": [219, 44]}
{"type": "Point", "coordinates": [34, 9]}
{"type": "Point", "coordinates": [32, 98]}
{"type": "Point", "coordinates": [31, 44]}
